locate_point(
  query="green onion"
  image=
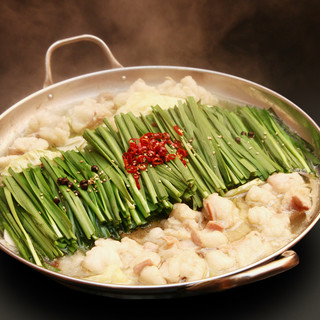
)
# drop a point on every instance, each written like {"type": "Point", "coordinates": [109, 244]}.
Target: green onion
{"type": "Point", "coordinates": [226, 149]}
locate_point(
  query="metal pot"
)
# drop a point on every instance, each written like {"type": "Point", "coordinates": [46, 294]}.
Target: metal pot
{"type": "Point", "coordinates": [225, 87]}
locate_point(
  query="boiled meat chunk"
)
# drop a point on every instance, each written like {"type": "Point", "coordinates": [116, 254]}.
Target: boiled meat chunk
{"type": "Point", "coordinates": [296, 194]}
{"type": "Point", "coordinates": [221, 210]}
{"type": "Point", "coordinates": [175, 228]}
{"type": "Point", "coordinates": [89, 114]}
{"type": "Point", "coordinates": [155, 235]}
{"type": "Point", "coordinates": [249, 249]}
{"type": "Point", "coordinates": [187, 87]}
{"type": "Point", "coordinates": [53, 128]}
{"type": "Point", "coordinates": [185, 266]}
{"type": "Point", "coordinates": [259, 215]}
{"type": "Point", "coordinates": [282, 182]}
{"type": "Point", "coordinates": [103, 254]}
{"type": "Point", "coordinates": [182, 212]}
{"type": "Point", "coordinates": [298, 199]}
{"type": "Point", "coordinates": [208, 238]}
{"type": "Point", "coordinates": [72, 265]}
{"type": "Point", "coordinates": [270, 223]}
{"type": "Point", "coordinates": [151, 275]}
{"type": "Point", "coordinates": [219, 261]}
{"type": "Point", "coordinates": [260, 195]}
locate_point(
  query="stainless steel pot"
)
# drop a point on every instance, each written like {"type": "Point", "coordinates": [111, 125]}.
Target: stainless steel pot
{"type": "Point", "coordinates": [227, 88]}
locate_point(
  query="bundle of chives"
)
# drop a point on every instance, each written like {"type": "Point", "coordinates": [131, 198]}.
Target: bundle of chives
{"type": "Point", "coordinates": [47, 218]}
{"type": "Point", "coordinates": [275, 141]}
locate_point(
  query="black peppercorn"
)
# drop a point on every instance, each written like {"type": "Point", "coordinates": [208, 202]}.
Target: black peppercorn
{"type": "Point", "coordinates": [237, 139]}
{"type": "Point", "coordinates": [64, 181]}
{"type": "Point", "coordinates": [56, 200]}
{"type": "Point", "coordinates": [84, 184]}
{"type": "Point", "coordinates": [251, 134]}
{"type": "Point", "coordinates": [69, 184]}
{"type": "Point", "coordinates": [94, 168]}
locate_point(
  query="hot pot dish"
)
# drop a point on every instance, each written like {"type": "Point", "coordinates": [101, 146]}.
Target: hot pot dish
{"type": "Point", "coordinates": [151, 181]}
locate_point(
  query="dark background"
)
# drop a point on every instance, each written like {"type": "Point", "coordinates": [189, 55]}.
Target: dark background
{"type": "Point", "coordinates": [275, 43]}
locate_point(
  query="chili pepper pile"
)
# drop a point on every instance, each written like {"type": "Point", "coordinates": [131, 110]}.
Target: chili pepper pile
{"type": "Point", "coordinates": [150, 149]}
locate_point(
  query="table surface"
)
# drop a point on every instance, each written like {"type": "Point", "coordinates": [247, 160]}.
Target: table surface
{"type": "Point", "coordinates": [272, 43]}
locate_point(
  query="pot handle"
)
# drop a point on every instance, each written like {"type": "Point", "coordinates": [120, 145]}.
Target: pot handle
{"type": "Point", "coordinates": [84, 37]}
{"type": "Point", "coordinates": [284, 262]}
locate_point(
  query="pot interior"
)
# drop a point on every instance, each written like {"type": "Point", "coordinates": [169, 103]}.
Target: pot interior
{"type": "Point", "coordinates": [230, 91]}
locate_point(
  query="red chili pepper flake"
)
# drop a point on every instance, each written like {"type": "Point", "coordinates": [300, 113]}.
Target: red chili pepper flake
{"type": "Point", "coordinates": [178, 130]}
{"type": "Point", "coordinates": [181, 153]}
{"type": "Point", "coordinates": [150, 149]}
{"type": "Point", "coordinates": [157, 161]}
{"type": "Point", "coordinates": [170, 157]}
{"type": "Point", "coordinates": [132, 169]}
{"type": "Point", "coordinates": [136, 178]}
{"type": "Point", "coordinates": [142, 166]}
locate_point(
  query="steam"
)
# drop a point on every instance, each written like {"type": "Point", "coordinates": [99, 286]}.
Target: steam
{"type": "Point", "coordinates": [242, 38]}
